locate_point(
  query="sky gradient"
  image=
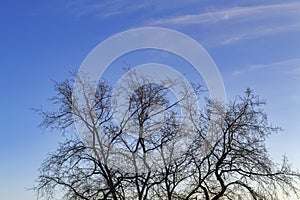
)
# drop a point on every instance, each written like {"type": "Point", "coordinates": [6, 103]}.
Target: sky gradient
{"type": "Point", "coordinates": [255, 44]}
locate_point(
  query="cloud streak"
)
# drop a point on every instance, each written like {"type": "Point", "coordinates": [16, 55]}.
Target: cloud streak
{"type": "Point", "coordinates": [226, 26]}
{"type": "Point", "coordinates": [236, 24]}
{"type": "Point", "coordinates": [105, 9]}
{"type": "Point", "coordinates": [290, 67]}
{"type": "Point", "coordinates": [112, 8]}
{"type": "Point", "coordinates": [258, 32]}
{"type": "Point", "coordinates": [255, 12]}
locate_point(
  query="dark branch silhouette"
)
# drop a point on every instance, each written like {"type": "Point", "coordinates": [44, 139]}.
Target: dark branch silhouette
{"type": "Point", "coordinates": [136, 158]}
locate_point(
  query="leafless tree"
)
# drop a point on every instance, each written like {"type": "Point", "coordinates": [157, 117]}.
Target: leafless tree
{"type": "Point", "coordinates": [137, 156]}
{"type": "Point", "coordinates": [231, 157]}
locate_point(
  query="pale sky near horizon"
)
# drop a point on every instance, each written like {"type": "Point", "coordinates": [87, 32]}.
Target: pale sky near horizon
{"type": "Point", "coordinates": [254, 43]}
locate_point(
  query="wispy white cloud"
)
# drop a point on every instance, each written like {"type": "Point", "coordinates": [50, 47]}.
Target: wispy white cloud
{"type": "Point", "coordinates": [295, 71]}
{"type": "Point", "coordinates": [290, 66]}
{"type": "Point", "coordinates": [110, 8]}
{"type": "Point", "coordinates": [225, 25]}
{"type": "Point", "coordinates": [104, 9]}
{"type": "Point", "coordinates": [241, 23]}
{"type": "Point", "coordinates": [239, 13]}
{"type": "Point", "coordinates": [258, 32]}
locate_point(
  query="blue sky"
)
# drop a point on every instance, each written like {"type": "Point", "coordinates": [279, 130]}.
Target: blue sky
{"type": "Point", "coordinates": [254, 43]}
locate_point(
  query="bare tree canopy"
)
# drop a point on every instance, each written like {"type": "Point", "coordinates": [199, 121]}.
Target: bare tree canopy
{"type": "Point", "coordinates": [150, 154]}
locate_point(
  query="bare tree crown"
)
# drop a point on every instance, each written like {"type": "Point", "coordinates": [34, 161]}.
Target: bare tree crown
{"type": "Point", "coordinates": [227, 158]}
